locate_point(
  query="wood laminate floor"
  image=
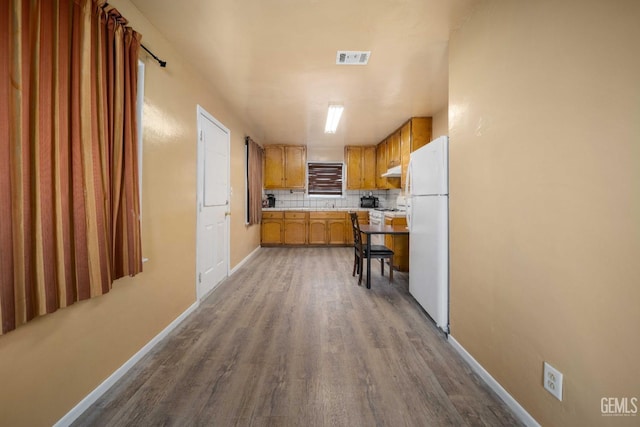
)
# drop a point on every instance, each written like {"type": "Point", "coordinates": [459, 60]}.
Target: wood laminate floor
{"type": "Point", "coordinates": [291, 340]}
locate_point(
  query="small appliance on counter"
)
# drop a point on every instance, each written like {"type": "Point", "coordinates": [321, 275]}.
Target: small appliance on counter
{"type": "Point", "coordinates": [271, 200]}
{"type": "Point", "coordinates": [368, 201]}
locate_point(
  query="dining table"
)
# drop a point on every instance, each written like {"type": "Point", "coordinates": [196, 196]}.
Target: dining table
{"type": "Point", "coordinates": [369, 230]}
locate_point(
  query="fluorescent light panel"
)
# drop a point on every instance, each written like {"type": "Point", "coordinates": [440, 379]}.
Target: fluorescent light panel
{"type": "Point", "coordinates": [333, 118]}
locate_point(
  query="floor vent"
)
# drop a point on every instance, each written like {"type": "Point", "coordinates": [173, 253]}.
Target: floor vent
{"type": "Point", "coordinates": [352, 57]}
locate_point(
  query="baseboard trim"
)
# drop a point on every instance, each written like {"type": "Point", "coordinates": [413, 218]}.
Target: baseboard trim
{"type": "Point", "coordinates": [92, 397]}
{"type": "Point", "coordinates": [512, 403]}
{"type": "Point", "coordinates": [244, 261]}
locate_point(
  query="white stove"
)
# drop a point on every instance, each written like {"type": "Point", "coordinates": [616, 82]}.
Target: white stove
{"type": "Point", "coordinates": [400, 210]}
{"type": "Point", "coordinates": [395, 214]}
{"type": "Point", "coordinates": [377, 216]}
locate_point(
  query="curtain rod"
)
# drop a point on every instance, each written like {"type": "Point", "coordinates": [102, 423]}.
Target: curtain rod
{"type": "Point", "coordinates": [160, 61]}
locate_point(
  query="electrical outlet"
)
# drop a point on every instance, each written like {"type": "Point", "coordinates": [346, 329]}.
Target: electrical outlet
{"type": "Point", "coordinates": [552, 381]}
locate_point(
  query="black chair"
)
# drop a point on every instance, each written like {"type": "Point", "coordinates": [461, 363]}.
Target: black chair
{"type": "Point", "coordinates": [380, 252]}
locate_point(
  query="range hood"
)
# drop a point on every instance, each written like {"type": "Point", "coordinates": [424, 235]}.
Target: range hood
{"type": "Point", "coordinates": [394, 172]}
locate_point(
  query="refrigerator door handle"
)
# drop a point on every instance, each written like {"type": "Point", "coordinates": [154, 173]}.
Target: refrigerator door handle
{"type": "Point", "coordinates": [407, 193]}
{"type": "Point", "coordinates": [407, 183]}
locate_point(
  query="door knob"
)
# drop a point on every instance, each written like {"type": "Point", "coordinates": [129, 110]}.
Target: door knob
{"type": "Point", "coordinates": [227, 214]}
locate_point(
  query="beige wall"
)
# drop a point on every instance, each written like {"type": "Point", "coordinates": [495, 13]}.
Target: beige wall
{"type": "Point", "coordinates": [544, 124]}
{"type": "Point", "coordinates": [50, 364]}
{"type": "Point", "coordinates": [440, 123]}
{"type": "Point", "coordinates": [325, 154]}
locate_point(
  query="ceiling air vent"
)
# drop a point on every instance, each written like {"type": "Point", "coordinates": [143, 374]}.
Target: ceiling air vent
{"type": "Point", "coordinates": [352, 57]}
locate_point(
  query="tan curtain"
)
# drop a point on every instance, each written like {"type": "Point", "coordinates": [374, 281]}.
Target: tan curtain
{"type": "Point", "coordinates": [69, 203]}
{"type": "Point", "coordinates": [254, 173]}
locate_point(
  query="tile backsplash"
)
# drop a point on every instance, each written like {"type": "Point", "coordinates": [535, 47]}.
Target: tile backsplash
{"type": "Point", "coordinates": [351, 199]}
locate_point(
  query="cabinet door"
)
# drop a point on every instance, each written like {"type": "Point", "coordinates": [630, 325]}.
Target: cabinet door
{"type": "Point", "coordinates": [405, 148]}
{"type": "Point", "coordinates": [273, 166]}
{"type": "Point", "coordinates": [353, 158]}
{"type": "Point", "coordinates": [317, 232]}
{"type": "Point", "coordinates": [401, 248]}
{"type": "Point", "coordinates": [394, 149]}
{"type": "Point", "coordinates": [271, 232]}
{"type": "Point", "coordinates": [363, 217]}
{"type": "Point", "coordinates": [413, 135]}
{"type": "Point", "coordinates": [401, 253]}
{"type": "Point", "coordinates": [369, 168]}
{"type": "Point", "coordinates": [421, 132]}
{"type": "Point", "coordinates": [295, 232]}
{"type": "Point", "coordinates": [295, 166]}
{"type": "Point", "coordinates": [381, 165]}
{"type": "Point", "coordinates": [388, 238]}
{"type": "Point", "coordinates": [336, 232]}
{"type": "Point", "coordinates": [398, 244]}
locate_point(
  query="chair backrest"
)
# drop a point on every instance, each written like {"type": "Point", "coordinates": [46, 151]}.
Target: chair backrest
{"type": "Point", "coordinates": [357, 241]}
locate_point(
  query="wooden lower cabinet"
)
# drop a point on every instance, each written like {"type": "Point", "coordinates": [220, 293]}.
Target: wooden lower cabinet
{"type": "Point", "coordinates": [295, 228]}
{"type": "Point", "coordinates": [272, 228]}
{"type": "Point", "coordinates": [317, 231]}
{"type": "Point", "coordinates": [327, 227]}
{"type": "Point", "coordinates": [398, 244]}
{"type": "Point", "coordinates": [337, 231]}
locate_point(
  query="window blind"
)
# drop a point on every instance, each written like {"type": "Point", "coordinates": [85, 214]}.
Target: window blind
{"type": "Point", "coordinates": [325, 179]}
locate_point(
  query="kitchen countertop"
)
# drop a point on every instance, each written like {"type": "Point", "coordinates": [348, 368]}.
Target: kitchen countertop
{"type": "Point", "coordinates": [395, 214]}
{"type": "Point", "coordinates": [316, 209]}
{"type": "Point", "coordinates": [387, 214]}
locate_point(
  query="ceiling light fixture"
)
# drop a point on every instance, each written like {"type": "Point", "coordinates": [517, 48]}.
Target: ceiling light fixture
{"type": "Point", "coordinates": [333, 118]}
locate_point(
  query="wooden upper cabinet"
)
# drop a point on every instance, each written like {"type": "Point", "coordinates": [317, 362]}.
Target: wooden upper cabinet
{"type": "Point", "coordinates": [273, 166]}
{"type": "Point", "coordinates": [413, 134]}
{"type": "Point", "coordinates": [369, 168]}
{"type": "Point", "coordinates": [353, 158]}
{"type": "Point", "coordinates": [394, 150]}
{"type": "Point", "coordinates": [405, 149]}
{"type": "Point", "coordinates": [361, 167]}
{"type": "Point", "coordinates": [295, 166]}
{"type": "Point", "coordinates": [421, 132]}
{"type": "Point", "coordinates": [285, 166]}
{"type": "Point", "coordinates": [381, 165]}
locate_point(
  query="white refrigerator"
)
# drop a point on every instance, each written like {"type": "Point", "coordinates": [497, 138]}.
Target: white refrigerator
{"type": "Point", "coordinates": [427, 192]}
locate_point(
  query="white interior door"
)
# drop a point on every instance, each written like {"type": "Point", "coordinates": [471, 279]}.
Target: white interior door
{"type": "Point", "coordinates": [213, 203]}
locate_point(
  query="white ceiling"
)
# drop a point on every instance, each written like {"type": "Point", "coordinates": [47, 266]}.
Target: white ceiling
{"type": "Point", "coordinates": [274, 60]}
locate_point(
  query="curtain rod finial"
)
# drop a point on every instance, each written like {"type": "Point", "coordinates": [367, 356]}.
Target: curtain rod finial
{"type": "Point", "coordinates": [162, 63]}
